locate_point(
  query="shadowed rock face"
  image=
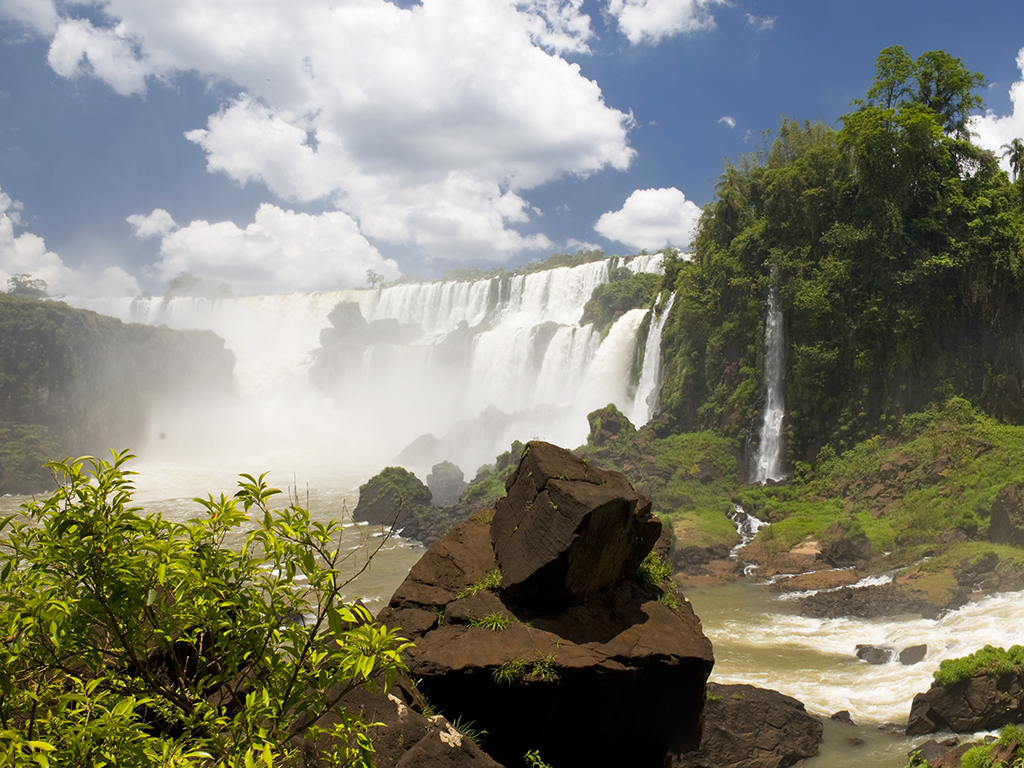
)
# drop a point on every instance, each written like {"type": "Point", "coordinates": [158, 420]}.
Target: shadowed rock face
{"type": "Point", "coordinates": [584, 663]}
{"type": "Point", "coordinates": [566, 531]}
{"type": "Point", "coordinates": [982, 702]}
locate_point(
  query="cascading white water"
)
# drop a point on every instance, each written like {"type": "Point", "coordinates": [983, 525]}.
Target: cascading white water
{"type": "Point", "coordinates": [471, 349]}
{"type": "Point", "coordinates": [768, 463]}
{"type": "Point", "coordinates": [645, 401]}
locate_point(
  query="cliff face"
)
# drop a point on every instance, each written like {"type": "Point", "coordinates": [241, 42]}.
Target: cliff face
{"type": "Point", "coordinates": [531, 621]}
{"type": "Point", "coordinates": [75, 382]}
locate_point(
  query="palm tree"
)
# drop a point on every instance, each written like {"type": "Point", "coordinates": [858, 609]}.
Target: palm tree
{"type": "Point", "coordinates": [1015, 152]}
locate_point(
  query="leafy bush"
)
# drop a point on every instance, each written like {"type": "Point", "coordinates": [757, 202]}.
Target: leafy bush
{"type": "Point", "coordinates": [133, 640]}
{"type": "Point", "coordinates": [653, 570]}
{"type": "Point", "coordinates": [996, 661]}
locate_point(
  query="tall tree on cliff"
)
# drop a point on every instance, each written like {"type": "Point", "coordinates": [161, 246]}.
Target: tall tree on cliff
{"type": "Point", "coordinates": [898, 247]}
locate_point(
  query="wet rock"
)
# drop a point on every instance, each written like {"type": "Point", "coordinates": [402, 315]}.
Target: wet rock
{"type": "Point", "coordinates": [844, 544]}
{"type": "Point", "coordinates": [612, 677]}
{"type": "Point", "coordinates": [982, 702]}
{"type": "Point", "coordinates": [913, 654]}
{"type": "Point", "coordinates": [875, 654]}
{"type": "Point", "coordinates": [843, 716]}
{"type": "Point", "coordinates": [874, 601]}
{"type": "Point", "coordinates": [748, 727]}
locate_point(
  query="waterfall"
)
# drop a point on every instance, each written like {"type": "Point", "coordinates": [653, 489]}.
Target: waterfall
{"type": "Point", "coordinates": [476, 364]}
{"type": "Point", "coordinates": [645, 401]}
{"type": "Point", "coordinates": [768, 463]}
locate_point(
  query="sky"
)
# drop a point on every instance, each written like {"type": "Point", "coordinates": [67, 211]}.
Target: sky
{"type": "Point", "coordinates": [293, 145]}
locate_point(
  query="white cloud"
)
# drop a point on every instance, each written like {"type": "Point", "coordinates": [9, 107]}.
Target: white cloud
{"type": "Point", "coordinates": [38, 15]}
{"type": "Point", "coordinates": [155, 224]}
{"type": "Point", "coordinates": [652, 219]}
{"type": "Point", "coordinates": [426, 124]}
{"type": "Point", "coordinates": [995, 131]}
{"type": "Point", "coordinates": [651, 20]}
{"type": "Point", "coordinates": [280, 251]}
{"type": "Point", "coordinates": [730, 121]}
{"type": "Point", "coordinates": [761, 23]}
{"type": "Point", "coordinates": [26, 254]}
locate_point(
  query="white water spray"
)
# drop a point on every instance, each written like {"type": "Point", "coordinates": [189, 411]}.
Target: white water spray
{"type": "Point", "coordinates": [482, 363]}
{"type": "Point", "coordinates": [645, 401]}
{"type": "Point", "coordinates": [768, 463]}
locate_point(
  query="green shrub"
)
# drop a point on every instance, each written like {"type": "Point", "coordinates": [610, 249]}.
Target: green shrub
{"type": "Point", "coordinates": [121, 627]}
{"type": "Point", "coordinates": [490, 581]}
{"type": "Point", "coordinates": [995, 661]}
{"type": "Point", "coordinates": [653, 570]}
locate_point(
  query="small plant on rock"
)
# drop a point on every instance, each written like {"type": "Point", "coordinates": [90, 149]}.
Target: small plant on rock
{"type": "Point", "coordinates": [653, 570]}
{"type": "Point", "coordinates": [511, 671]}
{"type": "Point", "coordinates": [490, 581]}
{"type": "Point", "coordinates": [544, 669]}
{"type": "Point", "coordinates": [493, 621]}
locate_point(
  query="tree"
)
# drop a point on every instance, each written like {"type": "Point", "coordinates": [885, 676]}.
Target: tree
{"type": "Point", "coordinates": [186, 284]}
{"type": "Point", "coordinates": [375, 279]}
{"type": "Point", "coordinates": [1015, 152]}
{"type": "Point", "coordinates": [25, 285]}
{"type": "Point", "coordinates": [137, 641]}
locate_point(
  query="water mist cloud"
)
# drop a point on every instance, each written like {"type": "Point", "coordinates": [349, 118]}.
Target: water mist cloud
{"type": "Point", "coordinates": [280, 251]}
{"type": "Point", "coordinates": [425, 124]}
{"type": "Point", "coordinates": [652, 219]}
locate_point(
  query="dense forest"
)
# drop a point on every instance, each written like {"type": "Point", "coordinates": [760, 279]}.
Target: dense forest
{"type": "Point", "coordinates": [895, 245]}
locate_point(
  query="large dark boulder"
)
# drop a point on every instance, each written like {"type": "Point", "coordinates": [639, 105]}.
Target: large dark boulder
{"type": "Point", "coordinates": [610, 674]}
{"type": "Point", "coordinates": [748, 727]}
{"type": "Point", "coordinates": [982, 702]}
{"type": "Point", "coordinates": [567, 530]}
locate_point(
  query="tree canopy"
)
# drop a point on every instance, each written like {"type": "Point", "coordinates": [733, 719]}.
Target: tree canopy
{"type": "Point", "coordinates": [897, 245]}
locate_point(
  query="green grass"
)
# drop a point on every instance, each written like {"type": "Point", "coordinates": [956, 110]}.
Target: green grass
{"type": "Point", "coordinates": [490, 581]}
{"type": "Point", "coordinates": [511, 671]}
{"type": "Point", "coordinates": [494, 621]}
{"type": "Point", "coordinates": [653, 570]}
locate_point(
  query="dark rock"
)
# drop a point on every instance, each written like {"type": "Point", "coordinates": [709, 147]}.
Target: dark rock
{"type": "Point", "coordinates": [843, 545]}
{"type": "Point", "coordinates": [874, 601]}
{"type": "Point", "coordinates": [566, 530]}
{"type": "Point", "coordinates": [607, 423]}
{"type": "Point", "coordinates": [748, 727]}
{"type": "Point", "coordinates": [875, 654]}
{"type": "Point", "coordinates": [1007, 518]}
{"type": "Point", "coordinates": [843, 716]}
{"type": "Point", "coordinates": [982, 702]}
{"type": "Point", "coordinates": [405, 737]}
{"type": "Point", "coordinates": [446, 483]}
{"type": "Point", "coordinates": [613, 678]}
{"type": "Point", "coordinates": [913, 654]}
{"type": "Point", "coordinates": [391, 498]}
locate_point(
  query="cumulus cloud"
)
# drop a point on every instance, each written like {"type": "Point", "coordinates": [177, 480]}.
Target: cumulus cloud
{"type": "Point", "coordinates": [727, 120]}
{"type": "Point", "coordinates": [155, 224]}
{"type": "Point", "coordinates": [26, 254]}
{"type": "Point", "coordinates": [37, 15]}
{"type": "Point", "coordinates": [426, 124]}
{"type": "Point", "coordinates": [995, 131]}
{"type": "Point", "coordinates": [652, 219]}
{"type": "Point", "coordinates": [761, 23]}
{"type": "Point", "coordinates": [651, 20]}
{"type": "Point", "coordinates": [279, 251]}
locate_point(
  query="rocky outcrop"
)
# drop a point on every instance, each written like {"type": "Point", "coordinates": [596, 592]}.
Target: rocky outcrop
{"type": "Point", "coordinates": [873, 601]}
{"type": "Point", "coordinates": [982, 702]}
{"type": "Point", "coordinates": [446, 483]}
{"type": "Point", "coordinates": [391, 498]}
{"type": "Point", "coordinates": [529, 620]}
{"type": "Point", "coordinates": [608, 423]}
{"type": "Point", "coordinates": [748, 727]}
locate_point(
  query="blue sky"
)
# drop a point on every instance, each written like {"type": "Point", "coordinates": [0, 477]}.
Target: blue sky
{"type": "Point", "coordinates": [281, 146]}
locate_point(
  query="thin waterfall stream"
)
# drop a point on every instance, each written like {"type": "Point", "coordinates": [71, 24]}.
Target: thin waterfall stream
{"type": "Point", "coordinates": [768, 463]}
